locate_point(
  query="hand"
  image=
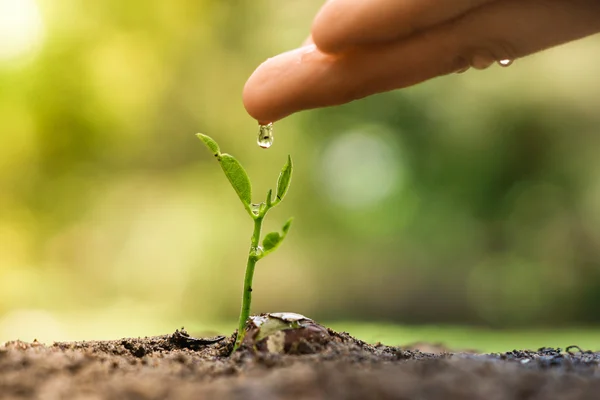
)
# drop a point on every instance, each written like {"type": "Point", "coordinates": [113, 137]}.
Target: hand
{"type": "Point", "coordinates": [362, 47]}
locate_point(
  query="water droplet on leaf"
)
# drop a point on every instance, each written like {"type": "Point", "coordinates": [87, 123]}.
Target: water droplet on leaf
{"type": "Point", "coordinates": [255, 208]}
{"type": "Point", "coordinates": [505, 63]}
{"type": "Point", "coordinates": [265, 135]}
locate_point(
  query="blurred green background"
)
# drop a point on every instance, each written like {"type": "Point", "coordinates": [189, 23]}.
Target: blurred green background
{"type": "Point", "coordinates": [472, 200]}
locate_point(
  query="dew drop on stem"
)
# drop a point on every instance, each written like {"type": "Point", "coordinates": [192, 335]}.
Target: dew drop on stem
{"type": "Point", "coordinates": [257, 251]}
{"type": "Point", "coordinates": [265, 135]}
{"type": "Point", "coordinates": [505, 63]}
{"type": "Point", "coordinates": [255, 207]}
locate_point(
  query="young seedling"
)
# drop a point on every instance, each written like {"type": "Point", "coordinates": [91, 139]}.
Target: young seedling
{"type": "Point", "coordinates": [241, 184]}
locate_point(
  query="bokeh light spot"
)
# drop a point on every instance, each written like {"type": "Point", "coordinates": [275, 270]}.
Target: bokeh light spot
{"type": "Point", "coordinates": [21, 28]}
{"type": "Point", "coordinates": [360, 168]}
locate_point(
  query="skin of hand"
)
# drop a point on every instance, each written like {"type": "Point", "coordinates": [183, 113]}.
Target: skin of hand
{"type": "Point", "coordinates": [361, 47]}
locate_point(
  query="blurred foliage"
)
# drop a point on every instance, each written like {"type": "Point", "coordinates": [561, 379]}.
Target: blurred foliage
{"type": "Point", "coordinates": [470, 199]}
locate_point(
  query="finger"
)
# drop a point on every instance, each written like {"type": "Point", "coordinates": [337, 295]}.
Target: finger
{"type": "Point", "coordinates": [345, 23]}
{"type": "Point", "coordinates": [513, 29]}
{"type": "Point", "coordinates": [308, 78]}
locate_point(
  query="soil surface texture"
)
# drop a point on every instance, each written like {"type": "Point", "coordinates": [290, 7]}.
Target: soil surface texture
{"type": "Point", "coordinates": [177, 366]}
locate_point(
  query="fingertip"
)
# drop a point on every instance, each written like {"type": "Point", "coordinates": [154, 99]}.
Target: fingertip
{"type": "Point", "coordinates": [253, 99]}
{"type": "Point", "coordinates": [264, 95]}
{"type": "Point", "coordinates": [250, 100]}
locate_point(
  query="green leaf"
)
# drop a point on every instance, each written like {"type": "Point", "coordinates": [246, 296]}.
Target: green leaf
{"type": "Point", "coordinates": [286, 226]}
{"type": "Point", "coordinates": [271, 241]}
{"type": "Point", "coordinates": [210, 143]}
{"type": "Point", "coordinates": [237, 177]}
{"type": "Point", "coordinates": [285, 178]}
{"type": "Point", "coordinates": [269, 197]}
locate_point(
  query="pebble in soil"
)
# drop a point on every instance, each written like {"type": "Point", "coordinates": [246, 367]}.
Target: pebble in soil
{"type": "Point", "coordinates": [285, 332]}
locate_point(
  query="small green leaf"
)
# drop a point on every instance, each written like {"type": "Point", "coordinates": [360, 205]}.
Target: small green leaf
{"type": "Point", "coordinates": [237, 177]}
{"type": "Point", "coordinates": [285, 178]}
{"type": "Point", "coordinates": [269, 198]}
{"type": "Point", "coordinates": [286, 226]}
{"type": "Point", "coordinates": [210, 143]}
{"type": "Point", "coordinates": [271, 241]}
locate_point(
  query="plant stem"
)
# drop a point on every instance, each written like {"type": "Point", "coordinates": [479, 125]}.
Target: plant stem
{"type": "Point", "coordinates": [253, 257]}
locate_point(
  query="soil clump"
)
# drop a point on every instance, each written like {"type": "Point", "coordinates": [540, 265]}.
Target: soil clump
{"type": "Point", "coordinates": [178, 366]}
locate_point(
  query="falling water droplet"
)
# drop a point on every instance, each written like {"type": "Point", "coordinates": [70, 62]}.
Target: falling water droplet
{"type": "Point", "coordinates": [505, 63]}
{"type": "Point", "coordinates": [265, 135]}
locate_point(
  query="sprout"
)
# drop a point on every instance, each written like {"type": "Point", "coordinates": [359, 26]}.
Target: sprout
{"type": "Point", "coordinates": [237, 176]}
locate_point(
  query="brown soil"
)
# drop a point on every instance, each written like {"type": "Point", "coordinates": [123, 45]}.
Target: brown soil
{"type": "Point", "coordinates": [177, 366]}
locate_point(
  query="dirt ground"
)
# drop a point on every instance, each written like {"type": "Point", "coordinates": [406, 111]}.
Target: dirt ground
{"type": "Point", "coordinates": [177, 366]}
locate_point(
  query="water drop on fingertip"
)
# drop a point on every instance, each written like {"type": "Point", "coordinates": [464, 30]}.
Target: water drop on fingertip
{"type": "Point", "coordinates": [505, 63]}
{"type": "Point", "coordinates": [265, 135]}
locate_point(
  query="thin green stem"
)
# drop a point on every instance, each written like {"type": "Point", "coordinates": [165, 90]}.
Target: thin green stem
{"type": "Point", "coordinates": [253, 257]}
